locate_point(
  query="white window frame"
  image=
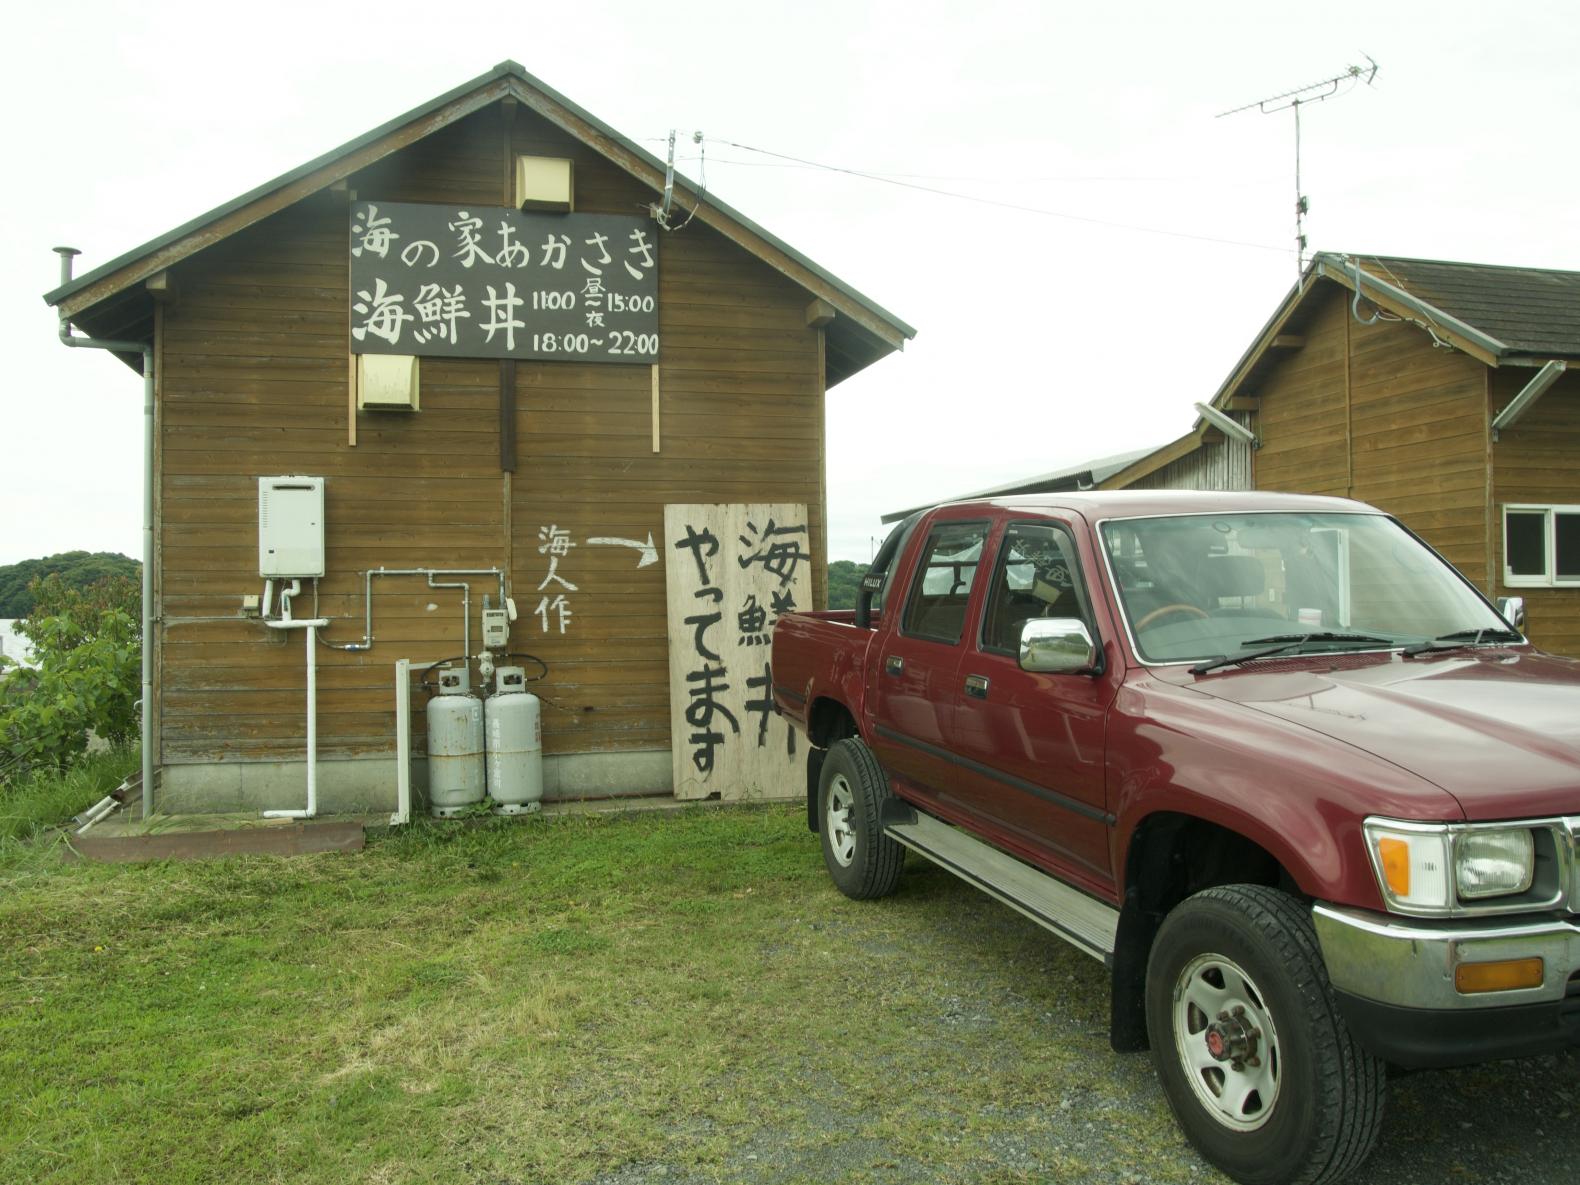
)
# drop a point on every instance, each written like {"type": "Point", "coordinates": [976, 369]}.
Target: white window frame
{"type": "Point", "coordinates": [1549, 512]}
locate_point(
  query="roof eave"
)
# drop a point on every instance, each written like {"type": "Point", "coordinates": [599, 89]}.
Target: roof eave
{"type": "Point", "coordinates": [1157, 459]}
{"type": "Point", "coordinates": [874, 322]}
{"type": "Point", "coordinates": [1478, 344]}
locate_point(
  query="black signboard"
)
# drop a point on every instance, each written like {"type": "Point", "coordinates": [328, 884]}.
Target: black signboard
{"type": "Point", "coordinates": [491, 282]}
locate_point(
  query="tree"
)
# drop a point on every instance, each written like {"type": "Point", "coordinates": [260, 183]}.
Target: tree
{"type": "Point", "coordinates": [88, 646]}
{"type": "Point", "coordinates": [844, 580]}
{"type": "Point", "coordinates": [77, 568]}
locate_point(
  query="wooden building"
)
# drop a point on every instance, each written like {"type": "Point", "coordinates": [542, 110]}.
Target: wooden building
{"type": "Point", "coordinates": [554, 469]}
{"type": "Point", "coordinates": [1444, 393]}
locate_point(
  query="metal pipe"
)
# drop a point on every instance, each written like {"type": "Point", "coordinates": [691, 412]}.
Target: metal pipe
{"type": "Point", "coordinates": [367, 599]}
{"type": "Point", "coordinates": [146, 735]}
{"type": "Point", "coordinates": [403, 669]}
{"type": "Point", "coordinates": [402, 813]}
{"type": "Point", "coordinates": [1529, 394]}
{"type": "Point", "coordinates": [94, 813]}
{"type": "Point", "coordinates": [311, 626]}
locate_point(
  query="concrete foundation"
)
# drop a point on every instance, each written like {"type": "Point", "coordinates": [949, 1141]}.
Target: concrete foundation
{"type": "Point", "coordinates": [366, 785]}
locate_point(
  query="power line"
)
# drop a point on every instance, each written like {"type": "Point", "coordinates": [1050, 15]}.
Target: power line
{"type": "Point", "coordinates": [1024, 209]}
{"type": "Point", "coordinates": [1003, 179]}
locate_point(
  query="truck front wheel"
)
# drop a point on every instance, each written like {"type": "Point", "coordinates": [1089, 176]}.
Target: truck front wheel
{"type": "Point", "coordinates": [862, 861]}
{"type": "Point", "coordinates": [1256, 1062]}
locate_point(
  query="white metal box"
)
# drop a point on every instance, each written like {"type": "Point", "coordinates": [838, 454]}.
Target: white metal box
{"type": "Point", "coordinates": [290, 526]}
{"type": "Point", "coordinates": [388, 382]}
{"type": "Point", "coordinates": [496, 629]}
{"type": "Point", "coordinates": [545, 183]}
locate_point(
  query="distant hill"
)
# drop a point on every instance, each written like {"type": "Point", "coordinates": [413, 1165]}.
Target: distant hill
{"type": "Point", "coordinates": [843, 578]}
{"type": "Point", "coordinates": [77, 568]}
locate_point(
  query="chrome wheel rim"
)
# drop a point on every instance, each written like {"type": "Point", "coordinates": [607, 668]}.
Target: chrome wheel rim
{"type": "Point", "coordinates": [1226, 1043]}
{"type": "Point", "coordinates": [837, 823]}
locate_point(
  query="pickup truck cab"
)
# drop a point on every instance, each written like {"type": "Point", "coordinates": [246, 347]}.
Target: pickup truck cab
{"type": "Point", "coordinates": [1309, 796]}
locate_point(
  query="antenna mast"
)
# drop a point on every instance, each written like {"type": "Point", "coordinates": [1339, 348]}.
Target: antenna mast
{"type": "Point", "coordinates": [1313, 92]}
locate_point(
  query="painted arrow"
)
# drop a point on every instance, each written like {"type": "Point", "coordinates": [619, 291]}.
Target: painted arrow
{"type": "Point", "coordinates": [649, 552]}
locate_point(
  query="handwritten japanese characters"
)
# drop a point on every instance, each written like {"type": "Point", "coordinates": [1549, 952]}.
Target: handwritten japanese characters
{"type": "Point", "coordinates": [732, 570]}
{"type": "Point", "coordinates": [492, 282]}
{"type": "Point", "coordinates": [555, 543]}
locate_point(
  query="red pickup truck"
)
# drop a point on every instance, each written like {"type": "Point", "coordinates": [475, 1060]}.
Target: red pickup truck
{"type": "Point", "coordinates": [1309, 796]}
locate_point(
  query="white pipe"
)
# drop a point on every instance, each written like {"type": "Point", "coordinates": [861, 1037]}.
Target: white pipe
{"type": "Point", "coordinates": [311, 628]}
{"type": "Point", "coordinates": [102, 808]}
{"type": "Point", "coordinates": [402, 813]}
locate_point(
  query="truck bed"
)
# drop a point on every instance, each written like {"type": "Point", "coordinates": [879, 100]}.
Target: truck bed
{"type": "Point", "coordinates": [821, 653]}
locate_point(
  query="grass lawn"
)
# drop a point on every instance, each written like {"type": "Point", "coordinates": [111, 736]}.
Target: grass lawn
{"type": "Point", "coordinates": [675, 996]}
{"type": "Point", "coordinates": [651, 998]}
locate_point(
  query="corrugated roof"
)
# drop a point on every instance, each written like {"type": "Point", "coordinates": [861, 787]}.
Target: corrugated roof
{"type": "Point", "coordinates": [1529, 310]}
{"type": "Point", "coordinates": [850, 346]}
{"type": "Point", "coordinates": [1074, 477]}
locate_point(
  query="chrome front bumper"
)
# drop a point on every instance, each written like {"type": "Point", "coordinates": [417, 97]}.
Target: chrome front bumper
{"type": "Point", "coordinates": [1410, 963]}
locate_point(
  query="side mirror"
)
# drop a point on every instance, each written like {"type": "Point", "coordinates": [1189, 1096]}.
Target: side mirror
{"type": "Point", "coordinates": [1057, 646]}
{"type": "Point", "coordinates": [1513, 610]}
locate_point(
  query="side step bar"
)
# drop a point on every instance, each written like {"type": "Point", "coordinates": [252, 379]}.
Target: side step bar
{"type": "Point", "coordinates": [1082, 921]}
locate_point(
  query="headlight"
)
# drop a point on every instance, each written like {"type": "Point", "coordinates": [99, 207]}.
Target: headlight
{"type": "Point", "coordinates": [1428, 868]}
{"type": "Point", "coordinates": [1494, 863]}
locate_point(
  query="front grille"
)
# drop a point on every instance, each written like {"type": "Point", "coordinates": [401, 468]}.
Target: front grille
{"type": "Point", "coordinates": [1571, 828]}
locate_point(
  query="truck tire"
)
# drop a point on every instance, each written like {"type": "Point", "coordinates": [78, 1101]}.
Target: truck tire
{"type": "Point", "coordinates": [863, 862]}
{"type": "Point", "coordinates": [1258, 1066]}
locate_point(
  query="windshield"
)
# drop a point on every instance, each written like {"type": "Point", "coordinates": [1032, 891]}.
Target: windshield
{"type": "Point", "coordinates": [1203, 586]}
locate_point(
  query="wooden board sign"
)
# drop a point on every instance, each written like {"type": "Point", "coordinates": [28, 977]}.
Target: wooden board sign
{"type": "Point", "coordinates": [731, 571]}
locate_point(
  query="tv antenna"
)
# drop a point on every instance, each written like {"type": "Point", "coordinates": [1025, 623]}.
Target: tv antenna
{"type": "Point", "coordinates": [1314, 92]}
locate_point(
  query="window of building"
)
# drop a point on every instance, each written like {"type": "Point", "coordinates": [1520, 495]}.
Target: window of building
{"type": "Point", "coordinates": [1541, 546]}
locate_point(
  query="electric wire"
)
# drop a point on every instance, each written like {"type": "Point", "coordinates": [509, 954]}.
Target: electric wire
{"type": "Point", "coordinates": [1002, 205]}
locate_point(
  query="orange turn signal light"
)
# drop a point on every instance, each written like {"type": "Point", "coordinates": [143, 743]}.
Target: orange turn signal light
{"type": "Point", "coordinates": [1504, 975]}
{"type": "Point", "coordinates": [1395, 856]}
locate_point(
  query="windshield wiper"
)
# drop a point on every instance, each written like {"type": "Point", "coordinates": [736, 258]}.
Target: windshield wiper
{"type": "Point", "coordinates": [1460, 638]}
{"type": "Point", "coordinates": [1285, 643]}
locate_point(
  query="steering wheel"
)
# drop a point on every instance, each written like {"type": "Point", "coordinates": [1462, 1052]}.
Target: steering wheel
{"type": "Point", "coordinates": [1165, 610]}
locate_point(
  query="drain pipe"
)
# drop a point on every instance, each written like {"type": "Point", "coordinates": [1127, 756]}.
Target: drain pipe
{"type": "Point", "coordinates": [147, 351]}
{"type": "Point", "coordinates": [311, 626]}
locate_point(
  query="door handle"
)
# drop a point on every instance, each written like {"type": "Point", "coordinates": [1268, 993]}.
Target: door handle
{"type": "Point", "coordinates": [976, 686]}
{"type": "Point", "coordinates": [894, 664]}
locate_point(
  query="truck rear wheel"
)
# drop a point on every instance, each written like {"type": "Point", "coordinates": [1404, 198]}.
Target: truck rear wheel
{"type": "Point", "coordinates": [1259, 1068]}
{"type": "Point", "coordinates": [863, 862]}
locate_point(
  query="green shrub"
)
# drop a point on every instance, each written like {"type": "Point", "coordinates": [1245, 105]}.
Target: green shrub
{"type": "Point", "coordinates": [88, 647]}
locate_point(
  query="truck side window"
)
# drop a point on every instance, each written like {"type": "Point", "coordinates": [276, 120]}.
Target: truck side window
{"type": "Point", "coordinates": [941, 587]}
{"type": "Point", "coordinates": [1037, 576]}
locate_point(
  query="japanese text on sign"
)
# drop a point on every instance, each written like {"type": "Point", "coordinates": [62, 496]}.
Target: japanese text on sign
{"type": "Point", "coordinates": [491, 282]}
{"type": "Point", "coordinates": [734, 570]}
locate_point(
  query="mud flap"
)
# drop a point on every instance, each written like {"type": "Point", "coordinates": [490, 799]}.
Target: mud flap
{"type": "Point", "coordinates": [814, 774]}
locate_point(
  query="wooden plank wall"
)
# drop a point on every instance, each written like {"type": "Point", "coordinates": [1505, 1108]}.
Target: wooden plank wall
{"type": "Point", "coordinates": [254, 383]}
{"type": "Point", "coordinates": [1302, 419]}
{"type": "Point", "coordinates": [1375, 412]}
{"type": "Point", "coordinates": [1418, 438]}
{"type": "Point", "coordinates": [1220, 464]}
{"type": "Point", "coordinates": [1538, 461]}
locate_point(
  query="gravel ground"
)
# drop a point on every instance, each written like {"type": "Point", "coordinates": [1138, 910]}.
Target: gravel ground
{"type": "Point", "coordinates": [990, 980]}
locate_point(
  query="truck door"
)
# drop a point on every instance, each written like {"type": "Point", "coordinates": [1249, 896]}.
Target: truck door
{"type": "Point", "coordinates": [918, 656]}
{"type": "Point", "coordinates": [1031, 746]}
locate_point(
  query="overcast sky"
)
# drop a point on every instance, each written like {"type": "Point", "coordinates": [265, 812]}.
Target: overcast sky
{"type": "Point", "coordinates": [1045, 338]}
